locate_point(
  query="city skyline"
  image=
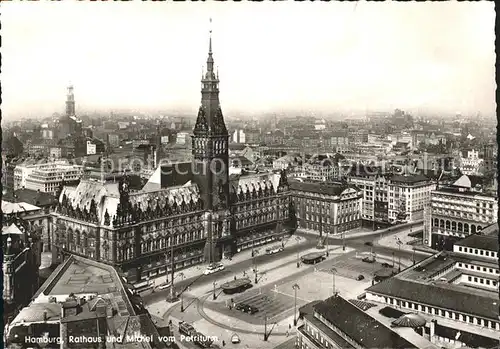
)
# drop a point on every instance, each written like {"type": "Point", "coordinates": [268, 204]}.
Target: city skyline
{"type": "Point", "coordinates": [345, 57]}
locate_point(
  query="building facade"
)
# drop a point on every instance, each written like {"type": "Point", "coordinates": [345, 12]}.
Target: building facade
{"type": "Point", "coordinates": [458, 211]}
{"type": "Point", "coordinates": [408, 195]}
{"type": "Point", "coordinates": [22, 247]}
{"type": "Point", "coordinates": [47, 178]}
{"type": "Point", "coordinates": [332, 207]}
{"type": "Point", "coordinates": [199, 214]}
{"type": "Point", "coordinates": [337, 323]}
{"type": "Point", "coordinates": [37, 218]}
{"type": "Point", "coordinates": [454, 291]}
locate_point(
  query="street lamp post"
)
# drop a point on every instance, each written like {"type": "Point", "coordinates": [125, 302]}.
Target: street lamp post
{"type": "Point", "coordinates": [399, 242]}
{"type": "Point", "coordinates": [343, 241]}
{"type": "Point", "coordinates": [181, 275]}
{"type": "Point", "coordinates": [298, 241]}
{"type": "Point", "coordinates": [255, 266]}
{"type": "Point", "coordinates": [215, 284]}
{"type": "Point", "coordinates": [265, 328]}
{"type": "Point", "coordinates": [295, 288]}
{"type": "Point", "coordinates": [413, 255]}
{"type": "Point", "coordinates": [172, 265]}
{"type": "Point", "coordinates": [333, 271]}
{"type": "Point", "coordinates": [327, 244]}
{"type": "Point", "coordinates": [393, 259]}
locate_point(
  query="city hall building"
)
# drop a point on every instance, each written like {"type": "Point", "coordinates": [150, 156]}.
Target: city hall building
{"type": "Point", "coordinates": [195, 209]}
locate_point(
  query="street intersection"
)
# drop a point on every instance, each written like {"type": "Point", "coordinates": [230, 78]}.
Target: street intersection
{"type": "Point", "coordinates": [281, 290]}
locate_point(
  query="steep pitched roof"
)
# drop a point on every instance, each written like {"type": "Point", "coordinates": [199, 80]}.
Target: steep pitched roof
{"type": "Point", "coordinates": [107, 197]}
{"type": "Point", "coordinates": [241, 184]}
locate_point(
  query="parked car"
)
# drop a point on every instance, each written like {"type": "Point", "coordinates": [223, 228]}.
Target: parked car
{"type": "Point", "coordinates": [360, 277]}
{"type": "Point", "coordinates": [369, 243]}
{"type": "Point", "coordinates": [252, 310]}
{"type": "Point", "coordinates": [240, 306]}
{"type": "Point", "coordinates": [368, 260]}
{"type": "Point", "coordinates": [274, 249]}
{"type": "Point", "coordinates": [213, 268]}
{"type": "Point", "coordinates": [164, 285]}
{"type": "Point", "coordinates": [387, 265]}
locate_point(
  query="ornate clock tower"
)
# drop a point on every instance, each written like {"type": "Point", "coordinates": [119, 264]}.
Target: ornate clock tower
{"type": "Point", "coordinates": [210, 141]}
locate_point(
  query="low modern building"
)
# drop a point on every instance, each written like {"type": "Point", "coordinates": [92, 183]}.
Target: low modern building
{"type": "Point", "coordinates": [45, 177]}
{"type": "Point", "coordinates": [48, 179]}
{"type": "Point", "coordinates": [458, 211]}
{"type": "Point", "coordinates": [331, 207]}
{"type": "Point", "coordinates": [338, 323]}
{"type": "Point", "coordinates": [455, 291]}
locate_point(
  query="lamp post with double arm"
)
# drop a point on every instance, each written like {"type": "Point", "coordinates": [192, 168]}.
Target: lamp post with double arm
{"type": "Point", "coordinates": [295, 289]}
{"type": "Point", "coordinates": [215, 284]}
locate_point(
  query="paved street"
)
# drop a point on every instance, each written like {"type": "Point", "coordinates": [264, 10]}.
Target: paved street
{"type": "Point", "coordinates": [237, 267]}
{"type": "Point", "coordinates": [274, 294]}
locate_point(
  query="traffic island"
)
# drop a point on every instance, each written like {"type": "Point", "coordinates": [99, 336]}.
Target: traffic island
{"type": "Point", "coordinates": [313, 258]}
{"type": "Point", "coordinates": [236, 286]}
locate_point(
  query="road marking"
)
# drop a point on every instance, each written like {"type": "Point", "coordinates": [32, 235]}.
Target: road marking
{"type": "Point", "coordinates": [286, 294]}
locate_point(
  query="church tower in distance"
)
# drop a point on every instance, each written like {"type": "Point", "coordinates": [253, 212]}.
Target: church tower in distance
{"type": "Point", "coordinates": [210, 142]}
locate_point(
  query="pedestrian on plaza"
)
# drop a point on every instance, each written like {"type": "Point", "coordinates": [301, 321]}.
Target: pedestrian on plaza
{"type": "Point", "coordinates": [223, 343]}
{"type": "Point", "coordinates": [289, 326]}
{"type": "Point", "coordinates": [287, 333]}
{"type": "Point", "coordinates": [235, 277]}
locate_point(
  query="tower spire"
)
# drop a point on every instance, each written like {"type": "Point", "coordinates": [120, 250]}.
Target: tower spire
{"type": "Point", "coordinates": [70, 101]}
{"type": "Point", "coordinates": [210, 38]}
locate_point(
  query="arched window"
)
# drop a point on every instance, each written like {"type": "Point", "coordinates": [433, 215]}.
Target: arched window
{"type": "Point", "coordinates": [448, 224]}
{"type": "Point", "coordinates": [460, 228]}
{"type": "Point", "coordinates": [466, 227]}
{"type": "Point", "coordinates": [84, 240]}
{"type": "Point", "coordinates": [473, 228]}
{"type": "Point", "coordinates": [441, 223]}
{"type": "Point", "coordinates": [454, 225]}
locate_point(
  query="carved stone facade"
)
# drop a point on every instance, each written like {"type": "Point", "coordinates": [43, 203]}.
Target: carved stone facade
{"type": "Point", "coordinates": [202, 220]}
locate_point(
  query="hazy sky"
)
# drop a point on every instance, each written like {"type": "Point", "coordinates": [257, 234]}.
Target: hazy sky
{"type": "Point", "coordinates": [272, 56]}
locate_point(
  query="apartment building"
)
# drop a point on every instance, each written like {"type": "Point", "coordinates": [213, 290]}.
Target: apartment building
{"type": "Point", "coordinates": [332, 207]}
{"type": "Point", "coordinates": [458, 211]}
{"type": "Point", "coordinates": [389, 198]}
{"type": "Point", "coordinates": [408, 194]}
